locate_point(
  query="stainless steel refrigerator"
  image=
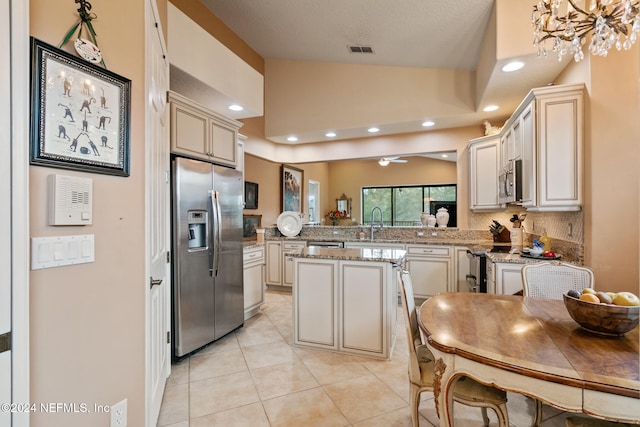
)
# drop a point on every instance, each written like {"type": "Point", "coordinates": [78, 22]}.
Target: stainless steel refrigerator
{"type": "Point", "coordinates": [207, 295]}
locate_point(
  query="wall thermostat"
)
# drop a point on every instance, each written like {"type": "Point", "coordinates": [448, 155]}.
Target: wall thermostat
{"type": "Point", "coordinates": [70, 200]}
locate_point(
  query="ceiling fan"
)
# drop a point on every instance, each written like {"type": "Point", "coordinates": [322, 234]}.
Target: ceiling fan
{"type": "Point", "coordinates": [384, 161]}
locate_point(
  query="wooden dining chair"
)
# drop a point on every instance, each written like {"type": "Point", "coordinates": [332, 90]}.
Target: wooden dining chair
{"type": "Point", "coordinates": [422, 363]}
{"type": "Point", "coordinates": [551, 279]}
{"type": "Point", "coordinates": [576, 421]}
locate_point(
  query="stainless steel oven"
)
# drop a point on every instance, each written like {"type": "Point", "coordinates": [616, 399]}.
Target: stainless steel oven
{"type": "Point", "coordinates": [477, 277]}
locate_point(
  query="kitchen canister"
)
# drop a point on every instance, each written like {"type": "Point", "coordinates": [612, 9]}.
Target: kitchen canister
{"type": "Point", "coordinates": [431, 221]}
{"type": "Point", "coordinates": [260, 235]}
{"type": "Point", "coordinates": [516, 238]}
{"type": "Point", "coordinates": [442, 217]}
{"type": "Point", "coordinates": [423, 218]}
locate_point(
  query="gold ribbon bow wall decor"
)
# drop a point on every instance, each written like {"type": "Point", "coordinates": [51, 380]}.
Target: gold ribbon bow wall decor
{"type": "Point", "coordinates": [87, 49]}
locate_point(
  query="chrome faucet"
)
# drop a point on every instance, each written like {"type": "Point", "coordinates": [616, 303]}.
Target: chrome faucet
{"type": "Point", "coordinates": [376, 225]}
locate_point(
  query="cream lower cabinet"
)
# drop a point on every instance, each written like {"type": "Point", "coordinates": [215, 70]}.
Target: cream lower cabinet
{"type": "Point", "coordinates": [462, 267]}
{"type": "Point", "coordinates": [287, 261]}
{"type": "Point", "coordinates": [274, 262]}
{"type": "Point", "coordinates": [315, 304]}
{"type": "Point", "coordinates": [279, 264]}
{"type": "Point", "coordinates": [253, 280]}
{"type": "Point", "coordinates": [508, 278]}
{"type": "Point", "coordinates": [431, 269]}
{"type": "Point", "coordinates": [345, 306]}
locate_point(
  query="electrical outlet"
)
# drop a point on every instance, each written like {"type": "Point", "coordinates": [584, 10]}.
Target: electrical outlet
{"type": "Point", "coordinates": [119, 414]}
{"type": "Point", "coordinates": [420, 234]}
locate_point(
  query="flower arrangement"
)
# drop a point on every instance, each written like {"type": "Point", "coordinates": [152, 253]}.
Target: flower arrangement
{"type": "Point", "coordinates": [335, 215]}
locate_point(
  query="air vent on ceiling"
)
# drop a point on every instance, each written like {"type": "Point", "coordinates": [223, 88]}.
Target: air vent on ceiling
{"type": "Point", "coordinates": [360, 49]}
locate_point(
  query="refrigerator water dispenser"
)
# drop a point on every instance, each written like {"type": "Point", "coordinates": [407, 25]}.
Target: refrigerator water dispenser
{"type": "Point", "coordinates": [197, 230]}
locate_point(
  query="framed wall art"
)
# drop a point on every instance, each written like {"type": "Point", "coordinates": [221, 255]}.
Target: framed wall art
{"type": "Point", "coordinates": [292, 183]}
{"type": "Point", "coordinates": [250, 195]}
{"type": "Point", "coordinates": [80, 113]}
{"type": "Point", "coordinates": [249, 225]}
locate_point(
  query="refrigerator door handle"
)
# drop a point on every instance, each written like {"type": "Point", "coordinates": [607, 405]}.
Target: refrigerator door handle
{"type": "Point", "coordinates": [217, 235]}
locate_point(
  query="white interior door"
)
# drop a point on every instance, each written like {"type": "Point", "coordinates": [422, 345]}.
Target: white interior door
{"type": "Point", "coordinates": [14, 208]}
{"type": "Point", "coordinates": [5, 213]}
{"type": "Point", "coordinates": [158, 234]}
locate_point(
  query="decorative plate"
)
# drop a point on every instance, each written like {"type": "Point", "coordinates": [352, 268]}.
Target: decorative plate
{"type": "Point", "coordinates": [88, 50]}
{"type": "Point", "coordinates": [289, 223]}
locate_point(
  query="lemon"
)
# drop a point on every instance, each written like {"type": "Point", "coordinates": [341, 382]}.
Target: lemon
{"type": "Point", "coordinates": [588, 291]}
{"type": "Point", "coordinates": [590, 298]}
{"type": "Point", "coordinates": [626, 299]}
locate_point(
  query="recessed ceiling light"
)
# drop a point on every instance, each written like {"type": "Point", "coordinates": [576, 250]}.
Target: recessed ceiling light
{"type": "Point", "coordinates": [445, 155]}
{"type": "Point", "coordinates": [490, 108]}
{"type": "Point", "coordinates": [512, 66]}
{"type": "Point", "coordinates": [292, 139]}
{"type": "Point", "coordinates": [236, 107]}
{"type": "Point", "coordinates": [428, 123]}
{"type": "Point", "coordinates": [330, 134]}
{"type": "Point", "coordinates": [373, 130]}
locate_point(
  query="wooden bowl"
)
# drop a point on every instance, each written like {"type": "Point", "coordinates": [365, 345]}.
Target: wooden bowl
{"type": "Point", "coordinates": [605, 319]}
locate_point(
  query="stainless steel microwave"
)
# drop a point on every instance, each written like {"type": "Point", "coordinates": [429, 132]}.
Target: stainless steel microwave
{"type": "Point", "coordinates": [510, 183]}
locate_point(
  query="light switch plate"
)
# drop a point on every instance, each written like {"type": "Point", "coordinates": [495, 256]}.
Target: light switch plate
{"type": "Point", "coordinates": [47, 252]}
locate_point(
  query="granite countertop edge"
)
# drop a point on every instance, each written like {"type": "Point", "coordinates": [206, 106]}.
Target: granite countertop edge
{"type": "Point", "coordinates": [341, 254]}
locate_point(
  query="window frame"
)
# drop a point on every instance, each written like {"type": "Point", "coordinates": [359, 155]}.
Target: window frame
{"type": "Point", "coordinates": [425, 208]}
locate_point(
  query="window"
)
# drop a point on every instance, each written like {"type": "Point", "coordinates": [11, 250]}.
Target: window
{"type": "Point", "coordinates": [403, 205]}
{"type": "Point", "coordinates": [314, 201]}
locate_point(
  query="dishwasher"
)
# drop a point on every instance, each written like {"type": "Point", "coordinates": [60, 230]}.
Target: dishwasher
{"type": "Point", "coordinates": [326, 244]}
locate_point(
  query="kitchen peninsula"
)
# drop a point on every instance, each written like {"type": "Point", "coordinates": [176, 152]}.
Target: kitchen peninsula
{"type": "Point", "coordinates": [345, 300]}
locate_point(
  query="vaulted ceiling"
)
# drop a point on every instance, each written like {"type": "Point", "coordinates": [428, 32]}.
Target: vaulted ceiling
{"type": "Point", "coordinates": [476, 37]}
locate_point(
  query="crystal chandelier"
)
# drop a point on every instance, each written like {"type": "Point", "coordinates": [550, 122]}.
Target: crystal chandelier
{"type": "Point", "coordinates": [612, 22]}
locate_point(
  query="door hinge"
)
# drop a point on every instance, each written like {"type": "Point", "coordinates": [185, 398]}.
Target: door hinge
{"type": "Point", "coordinates": [5, 342]}
{"type": "Point", "coordinates": [168, 337]}
{"type": "Point", "coordinates": [168, 256]}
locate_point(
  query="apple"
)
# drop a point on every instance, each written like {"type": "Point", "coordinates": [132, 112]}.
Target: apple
{"type": "Point", "coordinates": [626, 299]}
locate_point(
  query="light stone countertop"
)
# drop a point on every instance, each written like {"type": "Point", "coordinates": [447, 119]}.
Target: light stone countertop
{"type": "Point", "coordinates": [355, 254]}
{"type": "Point", "coordinates": [251, 244]}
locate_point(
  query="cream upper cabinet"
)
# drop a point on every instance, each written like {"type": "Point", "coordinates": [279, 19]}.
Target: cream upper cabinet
{"type": "Point", "coordinates": [552, 123]}
{"type": "Point", "coordinates": [526, 123]}
{"type": "Point", "coordinates": [484, 158]}
{"type": "Point", "coordinates": [560, 130]}
{"type": "Point", "coordinates": [202, 134]}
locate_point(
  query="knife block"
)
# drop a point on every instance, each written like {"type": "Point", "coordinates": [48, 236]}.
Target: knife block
{"type": "Point", "coordinates": [503, 237]}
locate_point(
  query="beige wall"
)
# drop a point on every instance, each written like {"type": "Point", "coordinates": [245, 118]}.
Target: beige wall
{"type": "Point", "coordinates": [87, 322]}
{"type": "Point", "coordinates": [612, 162]}
{"type": "Point", "coordinates": [613, 151]}
{"type": "Point", "coordinates": [358, 95]}
{"type": "Point", "coordinates": [268, 176]}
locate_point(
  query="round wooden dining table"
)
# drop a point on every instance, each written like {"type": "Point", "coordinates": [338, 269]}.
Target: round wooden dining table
{"type": "Point", "coordinates": [533, 347]}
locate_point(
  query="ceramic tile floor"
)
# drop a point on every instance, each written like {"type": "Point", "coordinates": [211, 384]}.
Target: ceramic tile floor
{"type": "Point", "coordinates": [254, 377]}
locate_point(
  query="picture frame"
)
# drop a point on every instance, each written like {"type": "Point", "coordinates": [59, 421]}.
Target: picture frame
{"type": "Point", "coordinates": [249, 225]}
{"type": "Point", "coordinates": [250, 195]}
{"type": "Point", "coordinates": [80, 113]}
{"type": "Point", "coordinates": [292, 184]}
